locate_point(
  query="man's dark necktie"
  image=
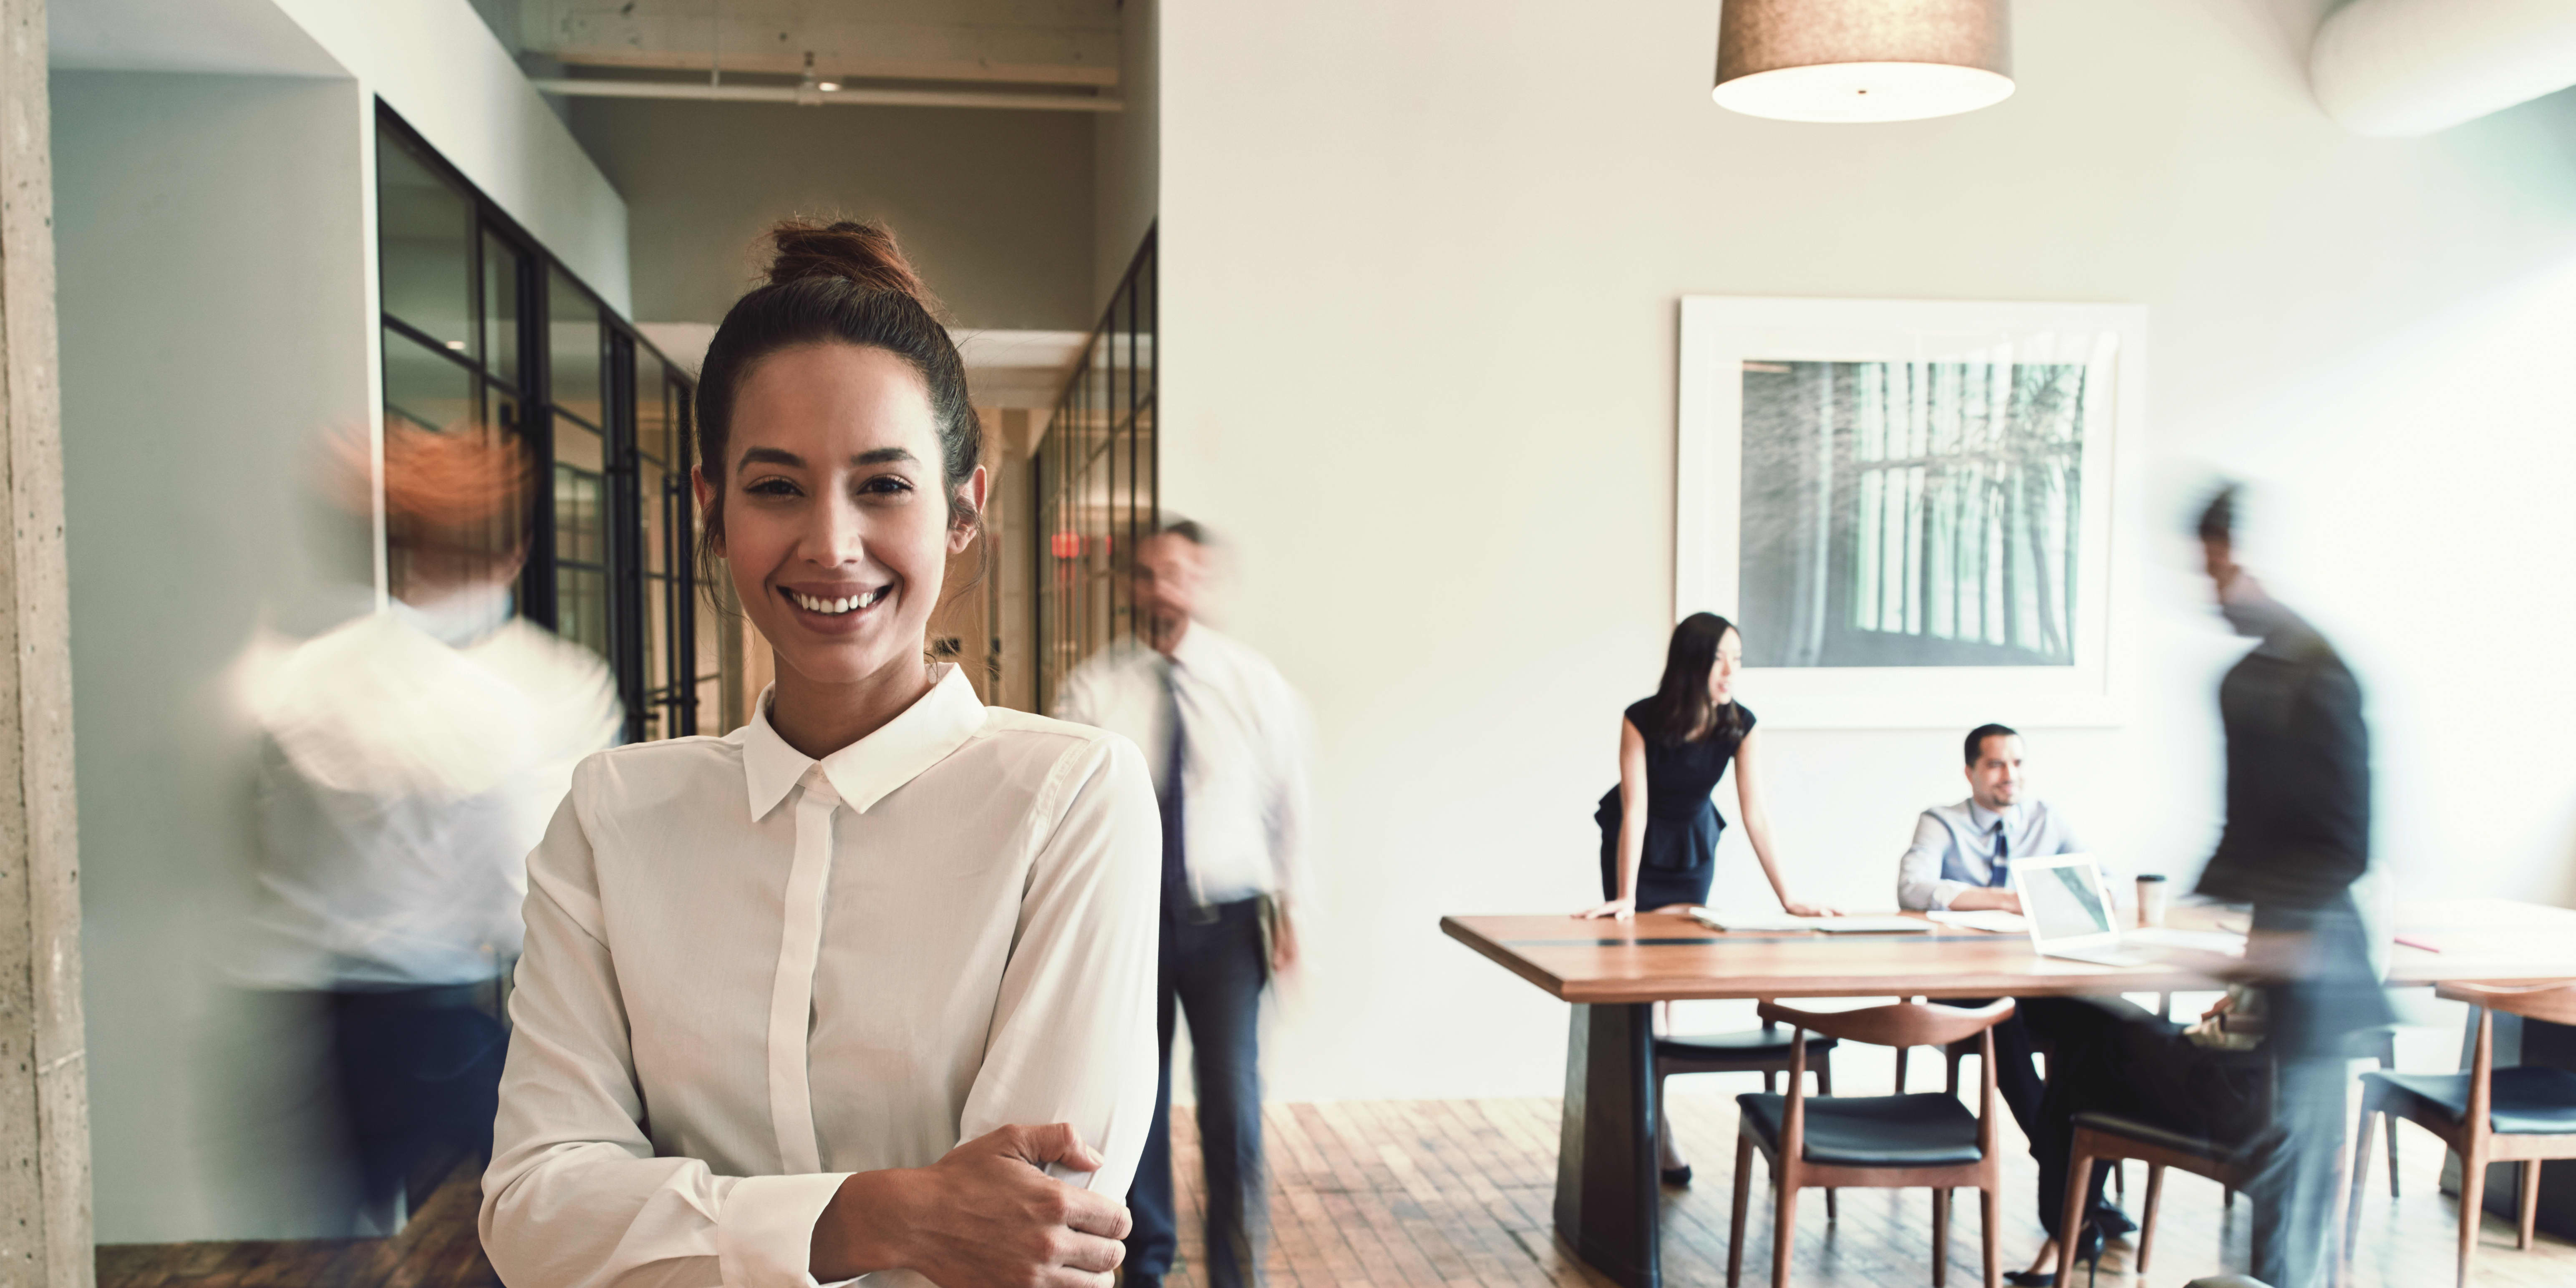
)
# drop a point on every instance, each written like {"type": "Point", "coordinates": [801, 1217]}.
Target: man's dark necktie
{"type": "Point", "coordinates": [2001, 872]}
{"type": "Point", "coordinates": [1176, 877]}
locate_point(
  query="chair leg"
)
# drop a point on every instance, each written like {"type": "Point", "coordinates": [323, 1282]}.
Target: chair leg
{"type": "Point", "coordinates": [2530, 1203]}
{"type": "Point", "coordinates": [2388, 1060]}
{"type": "Point", "coordinates": [2147, 1218]}
{"type": "Point", "coordinates": [1770, 1082]}
{"type": "Point", "coordinates": [1784, 1229]}
{"type": "Point", "coordinates": [2473, 1207]}
{"type": "Point", "coordinates": [2120, 1179]}
{"type": "Point", "coordinates": [1954, 1073]}
{"type": "Point", "coordinates": [2392, 1156]}
{"type": "Point", "coordinates": [1825, 1087]}
{"type": "Point", "coordinates": [2070, 1222]}
{"type": "Point", "coordinates": [1990, 1231]}
{"type": "Point", "coordinates": [2361, 1170]}
{"type": "Point", "coordinates": [1743, 1191]}
{"type": "Point", "coordinates": [1901, 1053]}
{"type": "Point", "coordinates": [1940, 1235]}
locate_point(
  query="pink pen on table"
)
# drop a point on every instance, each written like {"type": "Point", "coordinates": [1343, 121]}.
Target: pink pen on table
{"type": "Point", "coordinates": [2412, 942]}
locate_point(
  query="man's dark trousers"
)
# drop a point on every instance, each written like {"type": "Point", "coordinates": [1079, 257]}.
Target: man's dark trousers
{"type": "Point", "coordinates": [1215, 970]}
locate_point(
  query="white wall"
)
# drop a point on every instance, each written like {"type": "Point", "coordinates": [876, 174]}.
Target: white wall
{"type": "Point", "coordinates": [1420, 272]}
{"type": "Point", "coordinates": [214, 313]}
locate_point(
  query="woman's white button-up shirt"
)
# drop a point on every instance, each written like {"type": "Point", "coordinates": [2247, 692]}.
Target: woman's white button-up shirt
{"type": "Point", "coordinates": [749, 974]}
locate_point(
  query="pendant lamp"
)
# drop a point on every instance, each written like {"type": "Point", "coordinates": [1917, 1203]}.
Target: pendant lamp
{"type": "Point", "coordinates": [1863, 60]}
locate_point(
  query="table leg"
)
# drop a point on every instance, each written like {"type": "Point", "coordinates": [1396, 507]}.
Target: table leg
{"type": "Point", "coordinates": [1607, 1196]}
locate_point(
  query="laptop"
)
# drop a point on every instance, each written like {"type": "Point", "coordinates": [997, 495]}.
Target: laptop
{"type": "Point", "coordinates": [2071, 913]}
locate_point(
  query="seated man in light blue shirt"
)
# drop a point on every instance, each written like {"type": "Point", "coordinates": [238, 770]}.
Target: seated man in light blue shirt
{"type": "Point", "coordinates": [1962, 854]}
{"type": "Point", "coordinates": [1961, 859]}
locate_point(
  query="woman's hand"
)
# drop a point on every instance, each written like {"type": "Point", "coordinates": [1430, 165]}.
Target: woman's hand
{"type": "Point", "coordinates": [985, 1213]}
{"type": "Point", "coordinates": [1622, 909]}
{"type": "Point", "coordinates": [1796, 909]}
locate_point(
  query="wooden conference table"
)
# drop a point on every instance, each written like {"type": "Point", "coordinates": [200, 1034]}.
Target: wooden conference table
{"type": "Point", "coordinates": [1607, 1191]}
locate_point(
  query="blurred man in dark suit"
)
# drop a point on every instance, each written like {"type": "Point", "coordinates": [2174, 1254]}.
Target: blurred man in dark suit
{"type": "Point", "coordinates": [2297, 837]}
{"type": "Point", "coordinates": [2264, 1069]}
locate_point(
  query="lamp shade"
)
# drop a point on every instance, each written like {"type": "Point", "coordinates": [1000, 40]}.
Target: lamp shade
{"type": "Point", "coordinates": [1863, 60]}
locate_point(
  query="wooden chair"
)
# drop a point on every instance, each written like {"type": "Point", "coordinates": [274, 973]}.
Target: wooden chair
{"type": "Point", "coordinates": [1765, 1051]}
{"type": "Point", "coordinates": [1965, 1048]}
{"type": "Point", "coordinates": [2378, 1044]}
{"type": "Point", "coordinates": [2488, 1115]}
{"type": "Point", "coordinates": [2110, 1138]}
{"type": "Point", "coordinates": [1872, 1142]}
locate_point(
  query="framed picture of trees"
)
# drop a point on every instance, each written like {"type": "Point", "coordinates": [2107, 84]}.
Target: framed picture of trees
{"type": "Point", "coordinates": [1911, 509]}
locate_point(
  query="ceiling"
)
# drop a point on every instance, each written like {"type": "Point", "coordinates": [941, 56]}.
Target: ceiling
{"type": "Point", "coordinates": [961, 42]}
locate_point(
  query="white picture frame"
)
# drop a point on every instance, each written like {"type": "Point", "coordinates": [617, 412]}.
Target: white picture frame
{"type": "Point", "coordinates": [2092, 684]}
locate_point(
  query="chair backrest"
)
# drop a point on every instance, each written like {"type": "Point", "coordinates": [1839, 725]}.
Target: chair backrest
{"type": "Point", "coordinates": [1896, 1024]}
{"type": "Point", "coordinates": [2554, 1001]}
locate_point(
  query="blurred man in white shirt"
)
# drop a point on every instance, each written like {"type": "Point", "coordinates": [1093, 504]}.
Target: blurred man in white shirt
{"type": "Point", "coordinates": [1227, 739]}
{"type": "Point", "coordinates": [410, 759]}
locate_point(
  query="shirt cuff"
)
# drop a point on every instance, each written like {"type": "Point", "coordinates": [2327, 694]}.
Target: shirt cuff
{"type": "Point", "coordinates": [765, 1230]}
{"type": "Point", "coordinates": [1945, 892]}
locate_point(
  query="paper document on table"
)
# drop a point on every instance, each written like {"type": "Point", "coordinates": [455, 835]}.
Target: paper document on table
{"type": "Point", "coordinates": [1748, 921]}
{"type": "Point", "coordinates": [1992, 919]}
{"type": "Point", "coordinates": [1871, 925]}
{"type": "Point", "coordinates": [2208, 941]}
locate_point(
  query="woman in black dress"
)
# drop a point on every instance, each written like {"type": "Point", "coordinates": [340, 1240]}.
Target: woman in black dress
{"type": "Point", "coordinates": [1659, 826]}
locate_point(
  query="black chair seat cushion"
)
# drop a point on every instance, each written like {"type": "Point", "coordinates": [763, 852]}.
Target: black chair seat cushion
{"type": "Point", "coordinates": [1748, 1044]}
{"type": "Point", "coordinates": [1923, 1130]}
{"type": "Point", "coordinates": [2528, 1100]}
{"type": "Point", "coordinates": [2147, 1133]}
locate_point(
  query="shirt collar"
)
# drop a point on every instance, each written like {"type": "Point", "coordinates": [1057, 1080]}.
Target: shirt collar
{"type": "Point", "coordinates": [1196, 649]}
{"type": "Point", "coordinates": [868, 770]}
{"type": "Point", "coordinates": [1985, 818]}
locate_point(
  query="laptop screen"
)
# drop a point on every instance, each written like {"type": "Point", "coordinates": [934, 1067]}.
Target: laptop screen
{"type": "Point", "coordinates": [2064, 901]}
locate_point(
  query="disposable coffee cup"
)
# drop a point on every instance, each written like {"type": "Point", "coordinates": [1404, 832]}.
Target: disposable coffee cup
{"type": "Point", "coordinates": [2151, 899]}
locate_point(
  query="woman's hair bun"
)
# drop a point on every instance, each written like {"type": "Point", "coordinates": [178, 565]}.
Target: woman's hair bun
{"type": "Point", "coordinates": [863, 253]}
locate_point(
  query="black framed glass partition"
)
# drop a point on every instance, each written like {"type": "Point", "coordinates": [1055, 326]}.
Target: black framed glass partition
{"type": "Point", "coordinates": [1097, 484]}
{"type": "Point", "coordinates": [602, 413]}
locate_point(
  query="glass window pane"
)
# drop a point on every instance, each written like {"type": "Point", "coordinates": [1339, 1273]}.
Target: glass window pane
{"type": "Point", "coordinates": [656, 505]}
{"type": "Point", "coordinates": [581, 607]}
{"type": "Point", "coordinates": [572, 346]}
{"type": "Point", "coordinates": [578, 446]}
{"type": "Point", "coordinates": [501, 309]}
{"type": "Point", "coordinates": [505, 419]}
{"type": "Point", "coordinates": [579, 497]}
{"type": "Point", "coordinates": [657, 639]}
{"type": "Point", "coordinates": [425, 388]}
{"type": "Point", "coordinates": [653, 431]}
{"type": "Point", "coordinates": [424, 232]}
{"type": "Point", "coordinates": [710, 697]}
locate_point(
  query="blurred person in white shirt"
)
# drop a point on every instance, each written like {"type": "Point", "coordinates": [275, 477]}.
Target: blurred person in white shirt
{"type": "Point", "coordinates": [409, 761]}
{"type": "Point", "coordinates": [1227, 738]}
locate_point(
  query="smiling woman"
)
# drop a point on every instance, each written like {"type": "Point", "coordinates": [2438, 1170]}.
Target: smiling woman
{"type": "Point", "coordinates": [949, 938]}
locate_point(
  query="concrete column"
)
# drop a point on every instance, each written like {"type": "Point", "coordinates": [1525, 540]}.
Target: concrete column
{"type": "Point", "coordinates": [44, 1077]}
